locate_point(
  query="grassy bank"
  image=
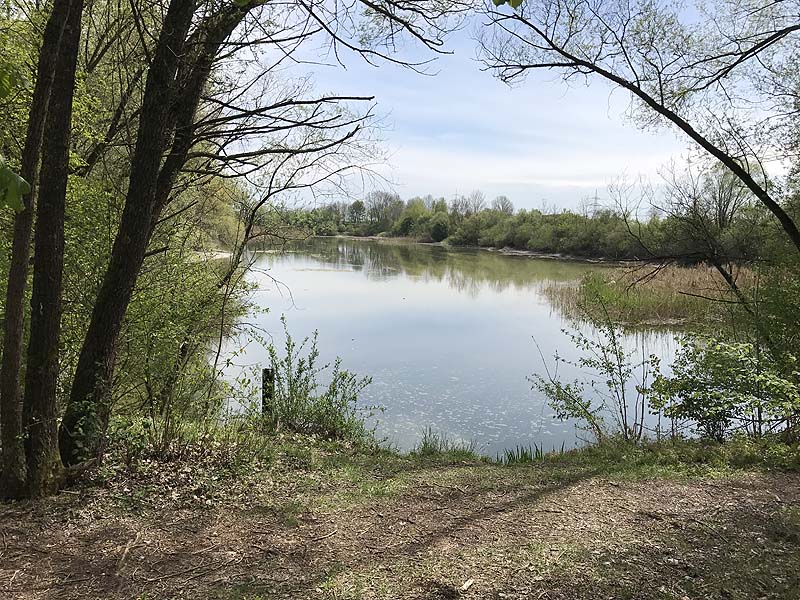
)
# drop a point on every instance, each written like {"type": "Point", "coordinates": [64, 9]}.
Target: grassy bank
{"type": "Point", "coordinates": [645, 295]}
{"type": "Point", "coordinates": [304, 518]}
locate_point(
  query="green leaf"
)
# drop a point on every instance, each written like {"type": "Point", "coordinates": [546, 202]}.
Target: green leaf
{"type": "Point", "coordinates": [499, 2]}
{"type": "Point", "coordinates": [10, 79]}
{"type": "Point", "coordinates": [12, 188]}
{"type": "Point", "coordinates": [515, 3]}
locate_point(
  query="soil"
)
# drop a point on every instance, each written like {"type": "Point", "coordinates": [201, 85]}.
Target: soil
{"type": "Point", "coordinates": [350, 530]}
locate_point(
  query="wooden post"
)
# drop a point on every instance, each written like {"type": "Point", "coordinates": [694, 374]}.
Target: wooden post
{"type": "Point", "coordinates": [267, 392]}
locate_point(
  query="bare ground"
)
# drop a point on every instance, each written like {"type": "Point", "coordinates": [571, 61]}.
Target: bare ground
{"type": "Point", "coordinates": [348, 528]}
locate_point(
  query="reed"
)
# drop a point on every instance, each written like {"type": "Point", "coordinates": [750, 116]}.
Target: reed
{"type": "Point", "coordinates": [437, 444]}
{"type": "Point", "coordinates": [668, 296]}
{"type": "Point", "coordinates": [520, 455]}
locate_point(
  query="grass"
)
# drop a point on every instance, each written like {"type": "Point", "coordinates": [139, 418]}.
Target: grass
{"type": "Point", "coordinates": [681, 458]}
{"type": "Point", "coordinates": [527, 454]}
{"type": "Point", "coordinates": [438, 445]}
{"type": "Point", "coordinates": [645, 295]}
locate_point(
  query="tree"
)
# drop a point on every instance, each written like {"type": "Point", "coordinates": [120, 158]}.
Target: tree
{"type": "Point", "coordinates": [476, 202]}
{"type": "Point", "coordinates": [707, 216]}
{"type": "Point", "coordinates": [440, 226]}
{"type": "Point", "coordinates": [503, 204]}
{"type": "Point", "coordinates": [720, 76]}
{"type": "Point", "coordinates": [439, 206]}
{"type": "Point", "coordinates": [87, 411]}
{"type": "Point", "coordinates": [50, 108]}
{"type": "Point", "coordinates": [182, 135]}
{"type": "Point", "coordinates": [458, 209]}
{"type": "Point", "coordinates": [383, 208]}
{"type": "Point", "coordinates": [42, 365]}
{"type": "Point", "coordinates": [357, 211]}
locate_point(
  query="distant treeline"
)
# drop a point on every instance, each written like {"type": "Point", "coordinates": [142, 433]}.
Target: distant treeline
{"type": "Point", "coordinates": [472, 221]}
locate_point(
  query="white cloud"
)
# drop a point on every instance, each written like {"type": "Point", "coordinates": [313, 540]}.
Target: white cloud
{"type": "Point", "coordinates": [463, 129]}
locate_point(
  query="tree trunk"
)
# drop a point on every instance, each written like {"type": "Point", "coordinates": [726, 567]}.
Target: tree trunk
{"type": "Point", "coordinates": [41, 380]}
{"type": "Point", "coordinates": [13, 468]}
{"type": "Point", "coordinates": [88, 410]}
{"type": "Point", "coordinates": [169, 107]}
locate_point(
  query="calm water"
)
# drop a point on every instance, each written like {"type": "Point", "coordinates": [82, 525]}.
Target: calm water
{"type": "Point", "coordinates": [446, 335]}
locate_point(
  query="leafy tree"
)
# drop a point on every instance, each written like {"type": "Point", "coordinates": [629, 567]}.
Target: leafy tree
{"type": "Point", "coordinates": [202, 133]}
{"type": "Point", "coordinates": [357, 211]}
{"type": "Point", "coordinates": [440, 226]}
{"type": "Point", "coordinates": [50, 109]}
{"type": "Point", "coordinates": [143, 131]}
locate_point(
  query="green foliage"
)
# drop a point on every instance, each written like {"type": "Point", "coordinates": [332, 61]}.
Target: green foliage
{"type": "Point", "coordinates": [437, 445]}
{"type": "Point", "coordinates": [439, 226]}
{"type": "Point", "coordinates": [727, 386]}
{"type": "Point", "coordinates": [302, 404]}
{"type": "Point", "coordinates": [741, 235]}
{"type": "Point", "coordinates": [11, 79]}
{"type": "Point", "coordinates": [777, 308]}
{"type": "Point", "coordinates": [521, 455]}
{"type": "Point", "coordinates": [615, 387]}
{"type": "Point", "coordinates": [569, 401]}
{"type": "Point", "coordinates": [603, 234]}
{"type": "Point", "coordinates": [165, 373]}
{"type": "Point", "coordinates": [357, 211]}
{"type": "Point", "coordinates": [12, 187]}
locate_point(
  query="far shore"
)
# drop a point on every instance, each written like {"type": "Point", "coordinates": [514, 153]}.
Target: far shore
{"type": "Point", "coordinates": [504, 251]}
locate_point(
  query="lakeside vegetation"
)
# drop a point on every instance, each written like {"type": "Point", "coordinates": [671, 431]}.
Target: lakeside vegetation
{"type": "Point", "coordinates": [674, 231]}
{"type": "Point", "coordinates": [651, 296]}
{"type": "Point", "coordinates": [468, 221]}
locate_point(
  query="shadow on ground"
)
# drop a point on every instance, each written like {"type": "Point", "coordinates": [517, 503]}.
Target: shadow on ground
{"type": "Point", "coordinates": [471, 531]}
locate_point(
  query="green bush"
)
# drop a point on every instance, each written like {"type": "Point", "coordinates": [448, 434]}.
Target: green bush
{"type": "Point", "coordinates": [303, 405]}
{"type": "Point", "coordinates": [727, 386]}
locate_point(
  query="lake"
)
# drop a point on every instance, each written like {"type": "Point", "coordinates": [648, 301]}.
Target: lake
{"type": "Point", "coordinates": [449, 336]}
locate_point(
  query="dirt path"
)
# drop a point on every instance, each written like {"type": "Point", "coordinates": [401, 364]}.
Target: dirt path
{"type": "Point", "coordinates": [473, 531]}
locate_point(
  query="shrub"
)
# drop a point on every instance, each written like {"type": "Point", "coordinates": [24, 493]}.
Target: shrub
{"type": "Point", "coordinates": [726, 386]}
{"type": "Point", "coordinates": [611, 389]}
{"type": "Point", "coordinates": [403, 226]}
{"type": "Point", "coordinates": [303, 405]}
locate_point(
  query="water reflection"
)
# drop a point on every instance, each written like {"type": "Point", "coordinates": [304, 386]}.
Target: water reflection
{"type": "Point", "coordinates": [465, 270]}
{"type": "Point", "coordinates": [447, 335]}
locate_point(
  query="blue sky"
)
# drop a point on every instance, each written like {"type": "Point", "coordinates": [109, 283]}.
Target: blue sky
{"type": "Point", "coordinates": [461, 129]}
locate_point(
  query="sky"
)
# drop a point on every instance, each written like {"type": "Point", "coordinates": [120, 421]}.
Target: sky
{"type": "Point", "coordinates": [541, 143]}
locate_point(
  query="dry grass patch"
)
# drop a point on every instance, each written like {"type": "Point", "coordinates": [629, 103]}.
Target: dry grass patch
{"type": "Point", "coordinates": [649, 295]}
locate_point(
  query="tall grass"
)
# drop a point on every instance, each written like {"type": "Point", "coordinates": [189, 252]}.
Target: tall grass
{"type": "Point", "coordinates": [647, 295]}
{"type": "Point", "coordinates": [520, 455]}
{"type": "Point", "coordinates": [437, 444]}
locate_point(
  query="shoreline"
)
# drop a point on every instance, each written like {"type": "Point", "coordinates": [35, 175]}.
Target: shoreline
{"type": "Point", "coordinates": [507, 251]}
